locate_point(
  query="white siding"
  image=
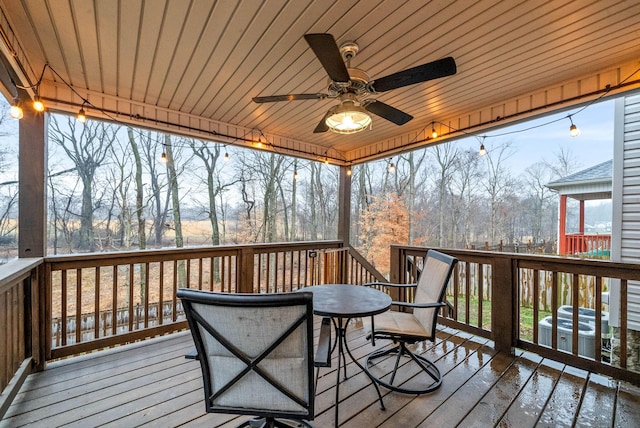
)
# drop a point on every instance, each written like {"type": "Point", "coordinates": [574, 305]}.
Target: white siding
{"type": "Point", "coordinates": [625, 234]}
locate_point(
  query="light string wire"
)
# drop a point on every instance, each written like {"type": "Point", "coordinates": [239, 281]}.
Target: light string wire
{"type": "Point", "coordinates": [139, 132]}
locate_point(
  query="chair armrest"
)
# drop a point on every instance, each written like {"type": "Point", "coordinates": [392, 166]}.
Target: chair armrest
{"type": "Point", "coordinates": [419, 305]}
{"type": "Point", "coordinates": [390, 284]}
{"type": "Point", "coordinates": [323, 352]}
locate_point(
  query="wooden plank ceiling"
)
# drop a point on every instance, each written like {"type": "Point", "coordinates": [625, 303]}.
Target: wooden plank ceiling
{"type": "Point", "coordinates": [192, 67]}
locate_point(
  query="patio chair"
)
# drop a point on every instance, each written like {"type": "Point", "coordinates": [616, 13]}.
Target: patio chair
{"type": "Point", "coordinates": [256, 354]}
{"type": "Point", "coordinates": [405, 328]}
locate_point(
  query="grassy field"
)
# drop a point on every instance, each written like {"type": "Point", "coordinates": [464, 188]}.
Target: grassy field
{"type": "Point", "coordinates": [526, 315]}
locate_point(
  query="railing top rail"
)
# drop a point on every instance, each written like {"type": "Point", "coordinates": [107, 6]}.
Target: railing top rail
{"type": "Point", "coordinates": [16, 270]}
{"type": "Point", "coordinates": [596, 267]}
{"type": "Point", "coordinates": [166, 254]}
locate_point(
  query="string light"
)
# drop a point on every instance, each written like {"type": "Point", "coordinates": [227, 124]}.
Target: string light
{"type": "Point", "coordinates": [16, 111]}
{"type": "Point", "coordinates": [482, 151]}
{"type": "Point", "coordinates": [226, 156]}
{"type": "Point", "coordinates": [81, 117]}
{"type": "Point", "coordinates": [392, 167]}
{"type": "Point", "coordinates": [295, 174]}
{"type": "Point", "coordinates": [38, 105]}
{"type": "Point", "coordinates": [573, 129]}
{"type": "Point", "coordinates": [434, 134]}
{"type": "Point", "coordinates": [349, 171]}
{"type": "Point", "coordinates": [163, 157]}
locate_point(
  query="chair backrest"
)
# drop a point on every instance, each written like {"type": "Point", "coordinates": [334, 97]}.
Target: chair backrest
{"type": "Point", "coordinates": [255, 351]}
{"type": "Point", "coordinates": [432, 286]}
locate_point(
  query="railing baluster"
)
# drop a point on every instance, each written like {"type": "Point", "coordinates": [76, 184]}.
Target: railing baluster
{"type": "Point", "coordinates": [467, 293]}
{"type": "Point", "coordinates": [96, 305]}
{"type": "Point", "coordinates": [623, 325]}
{"type": "Point", "coordinates": [480, 292]}
{"type": "Point", "coordinates": [114, 301]}
{"type": "Point", "coordinates": [161, 293]}
{"type": "Point", "coordinates": [145, 278]}
{"type": "Point", "coordinates": [174, 289]}
{"type": "Point", "coordinates": [575, 284]}
{"type": "Point", "coordinates": [554, 309]}
{"type": "Point", "coordinates": [536, 303]}
{"type": "Point", "coordinates": [78, 305]}
{"type": "Point", "coordinates": [131, 281]}
{"type": "Point", "coordinates": [63, 311]}
{"type": "Point", "coordinates": [598, 320]}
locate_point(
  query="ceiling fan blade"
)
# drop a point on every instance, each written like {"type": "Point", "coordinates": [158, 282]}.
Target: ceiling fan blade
{"type": "Point", "coordinates": [432, 70]}
{"type": "Point", "coordinates": [288, 97]}
{"type": "Point", "coordinates": [322, 126]}
{"type": "Point", "coordinates": [385, 111]}
{"type": "Point", "coordinates": [327, 51]}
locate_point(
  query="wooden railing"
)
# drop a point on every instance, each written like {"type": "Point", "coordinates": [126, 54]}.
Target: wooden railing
{"type": "Point", "coordinates": [537, 303]}
{"type": "Point", "coordinates": [594, 246]}
{"type": "Point", "coordinates": [20, 322]}
{"type": "Point", "coordinates": [102, 300]}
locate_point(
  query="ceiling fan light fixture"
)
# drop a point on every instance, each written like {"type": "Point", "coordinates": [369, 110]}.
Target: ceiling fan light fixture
{"type": "Point", "coordinates": [348, 118]}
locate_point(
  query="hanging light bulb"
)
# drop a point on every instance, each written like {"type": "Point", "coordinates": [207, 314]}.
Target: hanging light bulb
{"type": "Point", "coordinates": [326, 161]}
{"type": "Point", "coordinates": [226, 156]}
{"type": "Point", "coordinates": [573, 129]}
{"type": "Point", "coordinates": [349, 171]}
{"type": "Point", "coordinates": [295, 174]}
{"type": "Point", "coordinates": [163, 157]}
{"type": "Point", "coordinates": [38, 105]}
{"type": "Point", "coordinates": [81, 117]}
{"type": "Point", "coordinates": [482, 151]}
{"type": "Point", "coordinates": [259, 143]}
{"type": "Point", "coordinates": [16, 111]}
{"type": "Point", "coordinates": [434, 134]}
{"type": "Point", "coordinates": [392, 167]}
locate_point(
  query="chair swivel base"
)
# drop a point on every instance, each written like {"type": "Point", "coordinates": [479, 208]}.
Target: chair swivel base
{"type": "Point", "coordinates": [260, 422]}
{"type": "Point", "coordinates": [401, 350]}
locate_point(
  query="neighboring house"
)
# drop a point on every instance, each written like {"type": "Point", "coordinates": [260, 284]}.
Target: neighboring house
{"type": "Point", "coordinates": [625, 230]}
{"type": "Point", "coordinates": [589, 184]}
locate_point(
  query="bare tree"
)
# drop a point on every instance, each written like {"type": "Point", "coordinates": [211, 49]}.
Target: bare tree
{"type": "Point", "coordinates": [87, 146]}
{"type": "Point", "coordinates": [140, 205]}
{"type": "Point", "coordinates": [209, 154]}
{"type": "Point", "coordinates": [406, 184]}
{"type": "Point", "coordinates": [497, 184]}
{"type": "Point", "coordinates": [464, 185]}
{"type": "Point", "coordinates": [445, 156]}
{"type": "Point", "coordinates": [158, 191]}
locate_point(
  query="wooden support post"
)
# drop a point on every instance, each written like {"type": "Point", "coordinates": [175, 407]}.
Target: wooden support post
{"type": "Point", "coordinates": [562, 225]}
{"type": "Point", "coordinates": [344, 206]}
{"type": "Point", "coordinates": [32, 206]}
{"type": "Point", "coordinates": [504, 314]}
{"type": "Point", "coordinates": [396, 272]}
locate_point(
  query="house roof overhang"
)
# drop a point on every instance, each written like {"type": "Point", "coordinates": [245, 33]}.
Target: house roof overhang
{"type": "Point", "coordinates": [192, 67]}
{"type": "Point", "coordinates": [588, 184]}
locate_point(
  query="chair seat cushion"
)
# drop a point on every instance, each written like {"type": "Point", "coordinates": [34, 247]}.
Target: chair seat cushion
{"type": "Point", "coordinates": [393, 323]}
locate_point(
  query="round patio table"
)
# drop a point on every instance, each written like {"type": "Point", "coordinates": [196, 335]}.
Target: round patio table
{"type": "Point", "coordinates": [342, 302]}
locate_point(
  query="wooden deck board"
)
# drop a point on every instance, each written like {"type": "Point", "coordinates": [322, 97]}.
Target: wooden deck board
{"type": "Point", "coordinates": [151, 384]}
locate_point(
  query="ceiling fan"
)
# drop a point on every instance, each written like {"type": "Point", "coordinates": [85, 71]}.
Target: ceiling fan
{"type": "Point", "coordinates": [352, 86]}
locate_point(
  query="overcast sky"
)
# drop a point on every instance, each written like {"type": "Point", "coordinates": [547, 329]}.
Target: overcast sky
{"type": "Point", "coordinates": [594, 145]}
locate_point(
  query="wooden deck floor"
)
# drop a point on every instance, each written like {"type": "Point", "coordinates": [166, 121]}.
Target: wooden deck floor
{"type": "Point", "coordinates": [152, 384]}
